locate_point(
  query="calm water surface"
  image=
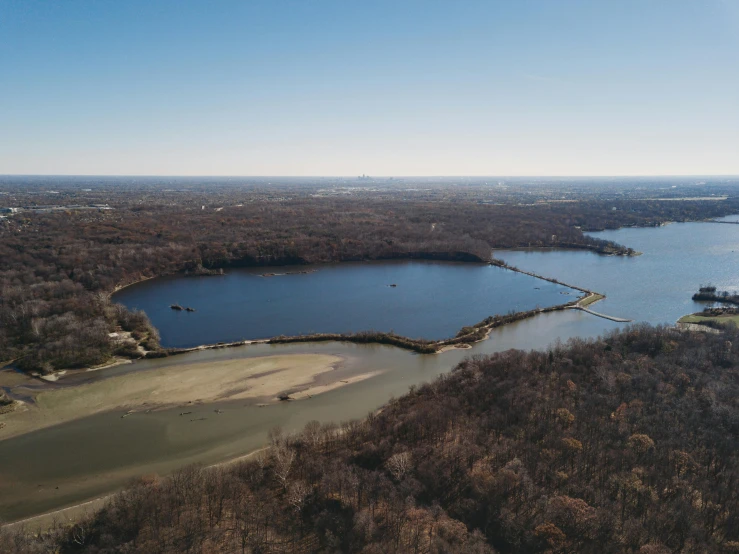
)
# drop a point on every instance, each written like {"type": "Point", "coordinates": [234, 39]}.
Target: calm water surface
{"type": "Point", "coordinates": [432, 300]}
{"type": "Point", "coordinates": [655, 287]}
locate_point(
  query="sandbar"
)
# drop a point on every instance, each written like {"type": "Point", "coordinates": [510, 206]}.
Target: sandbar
{"type": "Point", "coordinates": [247, 378]}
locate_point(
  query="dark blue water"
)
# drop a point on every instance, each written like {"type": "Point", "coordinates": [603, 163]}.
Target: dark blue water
{"type": "Point", "coordinates": [432, 300]}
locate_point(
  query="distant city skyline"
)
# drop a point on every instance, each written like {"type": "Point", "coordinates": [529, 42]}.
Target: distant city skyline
{"type": "Point", "coordinates": [419, 88]}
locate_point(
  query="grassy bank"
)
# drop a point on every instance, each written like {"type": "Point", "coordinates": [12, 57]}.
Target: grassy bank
{"type": "Point", "coordinates": [591, 299]}
{"type": "Point", "coordinates": [702, 320]}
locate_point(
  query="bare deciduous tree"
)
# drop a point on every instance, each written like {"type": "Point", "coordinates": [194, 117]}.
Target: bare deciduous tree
{"type": "Point", "coordinates": [399, 465]}
{"type": "Point", "coordinates": [283, 458]}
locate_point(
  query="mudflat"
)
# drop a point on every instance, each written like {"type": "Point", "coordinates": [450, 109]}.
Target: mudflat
{"type": "Point", "coordinates": [261, 378]}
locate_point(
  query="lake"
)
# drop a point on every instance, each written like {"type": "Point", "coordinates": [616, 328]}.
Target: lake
{"type": "Point", "coordinates": [431, 300]}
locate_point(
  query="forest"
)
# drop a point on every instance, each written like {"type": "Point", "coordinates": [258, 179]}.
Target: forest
{"type": "Point", "coordinates": [628, 443]}
{"type": "Point", "coordinates": [58, 265]}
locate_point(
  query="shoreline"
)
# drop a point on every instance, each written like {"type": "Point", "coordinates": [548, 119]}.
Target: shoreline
{"type": "Point", "coordinates": [119, 288]}
{"type": "Point", "coordinates": [576, 248]}
{"type": "Point", "coordinates": [451, 257]}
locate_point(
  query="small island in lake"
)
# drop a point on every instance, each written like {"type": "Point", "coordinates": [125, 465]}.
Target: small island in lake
{"type": "Point", "coordinates": [710, 294]}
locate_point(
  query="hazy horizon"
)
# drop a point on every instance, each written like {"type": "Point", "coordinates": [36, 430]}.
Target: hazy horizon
{"type": "Point", "coordinates": [478, 88]}
{"type": "Point", "coordinates": [327, 176]}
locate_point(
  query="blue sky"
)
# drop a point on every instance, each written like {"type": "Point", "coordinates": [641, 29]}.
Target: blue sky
{"type": "Point", "coordinates": [514, 87]}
